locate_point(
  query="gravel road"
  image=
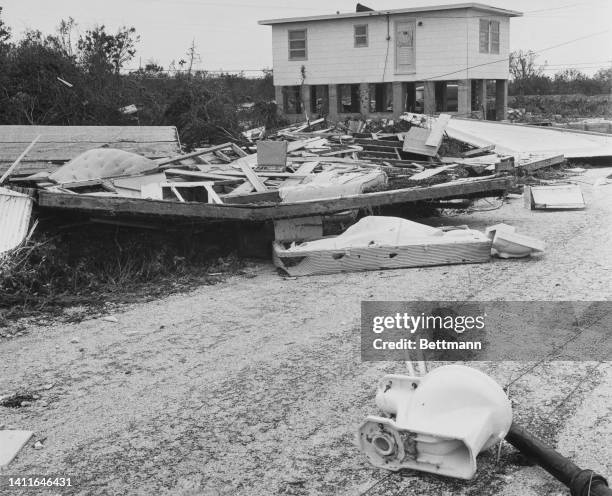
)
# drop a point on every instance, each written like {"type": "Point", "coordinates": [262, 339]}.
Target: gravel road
{"type": "Point", "coordinates": [255, 386]}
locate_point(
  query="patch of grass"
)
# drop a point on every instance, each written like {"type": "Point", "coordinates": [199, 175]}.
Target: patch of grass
{"type": "Point", "coordinates": [92, 265]}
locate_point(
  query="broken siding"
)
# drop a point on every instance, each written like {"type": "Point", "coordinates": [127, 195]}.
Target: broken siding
{"type": "Point", "coordinates": [444, 43]}
{"type": "Point", "coordinates": [15, 212]}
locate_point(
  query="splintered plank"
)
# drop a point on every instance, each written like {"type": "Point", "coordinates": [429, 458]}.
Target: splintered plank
{"type": "Point", "coordinates": [11, 443]}
{"type": "Point", "coordinates": [253, 178]}
{"type": "Point", "coordinates": [197, 153]}
{"type": "Point", "coordinates": [427, 173]}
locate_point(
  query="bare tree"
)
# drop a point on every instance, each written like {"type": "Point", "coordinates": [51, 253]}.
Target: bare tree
{"type": "Point", "coordinates": [523, 67]}
{"type": "Point", "coordinates": [193, 56]}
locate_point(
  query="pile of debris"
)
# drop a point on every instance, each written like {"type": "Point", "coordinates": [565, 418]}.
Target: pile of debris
{"type": "Point", "coordinates": [296, 175]}
{"type": "Point", "coordinates": [306, 161]}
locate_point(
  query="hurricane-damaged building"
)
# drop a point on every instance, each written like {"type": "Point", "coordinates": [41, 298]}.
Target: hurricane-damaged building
{"type": "Point", "coordinates": [444, 58]}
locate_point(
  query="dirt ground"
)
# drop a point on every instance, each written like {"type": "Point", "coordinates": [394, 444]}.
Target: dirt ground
{"type": "Point", "coordinates": [255, 386]}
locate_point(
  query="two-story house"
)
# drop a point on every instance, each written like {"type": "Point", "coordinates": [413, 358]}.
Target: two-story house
{"type": "Point", "coordinates": [445, 58]}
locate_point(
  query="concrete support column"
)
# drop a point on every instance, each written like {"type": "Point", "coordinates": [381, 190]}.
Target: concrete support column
{"type": "Point", "coordinates": [364, 98]}
{"type": "Point", "coordinates": [481, 97]}
{"type": "Point", "coordinates": [399, 98]}
{"type": "Point", "coordinates": [444, 102]}
{"type": "Point", "coordinates": [429, 97]}
{"type": "Point", "coordinates": [501, 99]}
{"type": "Point", "coordinates": [464, 97]}
{"type": "Point", "coordinates": [305, 97]}
{"type": "Point", "coordinates": [280, 100]}
{"type": "Point", "coordinates": [332, 99]}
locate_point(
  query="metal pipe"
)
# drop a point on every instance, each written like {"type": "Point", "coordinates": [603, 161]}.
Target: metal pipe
{"type": "Point", "coordinates": [580, 482]}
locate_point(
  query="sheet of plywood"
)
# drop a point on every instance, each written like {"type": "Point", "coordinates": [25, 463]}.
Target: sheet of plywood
{"type": "Point", "coordinates": [11, 443]}
{"type": "Point", "coordinates": [437, 131]}
{"type": "Point", "coordinates": [414, 142]}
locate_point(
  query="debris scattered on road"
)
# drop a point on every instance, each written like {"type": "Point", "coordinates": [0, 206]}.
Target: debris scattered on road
{"type": "Point", "coordinates": [507, 243]}
{"type": "Point", "coordinates": [554, 197]}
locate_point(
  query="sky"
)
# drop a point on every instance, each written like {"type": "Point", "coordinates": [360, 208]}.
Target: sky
{"type": "Point", "coordinates": [227, 36]}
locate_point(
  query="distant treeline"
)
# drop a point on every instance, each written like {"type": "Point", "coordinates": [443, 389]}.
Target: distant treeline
{"type": "Point", "coordinates": [528, 78]}
{"type": "Point", "coordinates": [69, 79]}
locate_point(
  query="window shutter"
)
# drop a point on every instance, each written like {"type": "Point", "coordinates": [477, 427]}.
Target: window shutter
{"type": "Point", "coordinates": [484, 36]}
{"type": "Point", "coordinates": [494, 36]}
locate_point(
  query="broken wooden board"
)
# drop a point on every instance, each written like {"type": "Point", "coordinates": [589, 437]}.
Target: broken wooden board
{"type": "Point", "coordinates": [11, 443]}
{"type": "Point", "coordinates": [252, 177]}
{"type": "Point", "coordinates": [197, 153]}
{"type": "Point", "coordinates": [298, 229]}
{"type": "Point", "coordinates": [427, 173]}
{"type": "Point", "coordinates": [557, 197]}
{"type": "Point", "coordinates": [532, 164]}
{"type": "Point", "coordinates": [204, 211]}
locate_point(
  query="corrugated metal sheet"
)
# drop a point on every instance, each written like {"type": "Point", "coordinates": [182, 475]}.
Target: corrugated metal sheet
{"type": "Point", "coordinates": [15, 213]}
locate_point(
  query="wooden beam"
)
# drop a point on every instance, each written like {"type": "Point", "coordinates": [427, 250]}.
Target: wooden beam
{"type": "Point", "coordinates": [202, 151]}
{"type": "Point", "coordinates": [205, 211]}
{"type": "Point", "coordinates": [253, 178]}
{"type": "Point", "coordinates": [539, 163]}
{"type": "Point", "coordinates": [201, 175]}
{"type": "Point", "coordinates": [10, 170]}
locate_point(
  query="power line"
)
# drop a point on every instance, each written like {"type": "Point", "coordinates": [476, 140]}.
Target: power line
{"type": "Point", "coordinates": [506, 60]}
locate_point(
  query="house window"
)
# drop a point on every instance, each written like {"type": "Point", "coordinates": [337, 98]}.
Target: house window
{"type": "Point", "coordinates": [297, 44]}
{"type": "Point", "coordinates": [489, 36]}
{"type": "Point", "coordinates": [361, 35]}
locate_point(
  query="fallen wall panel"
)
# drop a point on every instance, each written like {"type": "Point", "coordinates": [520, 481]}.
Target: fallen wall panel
{"type": "Point", "coordinates": [516, 139]}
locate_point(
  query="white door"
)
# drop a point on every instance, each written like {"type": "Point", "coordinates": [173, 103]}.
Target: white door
{"type": "Point", "coordinates": [404, 46]}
